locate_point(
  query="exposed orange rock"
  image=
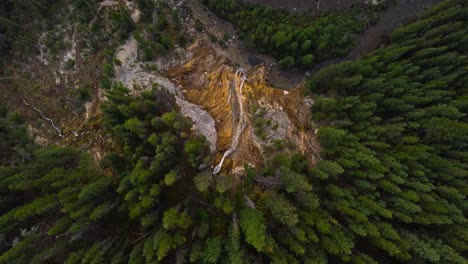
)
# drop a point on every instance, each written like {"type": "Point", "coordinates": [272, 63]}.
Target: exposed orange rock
{"type": "Point", "coordinates": [208, 80]}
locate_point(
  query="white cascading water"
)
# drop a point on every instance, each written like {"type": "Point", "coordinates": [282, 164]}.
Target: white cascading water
{"type": "Point", "coordinates": [240, 74]}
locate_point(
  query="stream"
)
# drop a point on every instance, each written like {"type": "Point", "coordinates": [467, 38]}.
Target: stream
{"type": "Point", "coordinates": [240, 75]}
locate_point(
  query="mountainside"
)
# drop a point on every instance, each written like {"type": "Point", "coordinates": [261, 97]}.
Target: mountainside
{"type": "Point", "coordinates": [232, 132]}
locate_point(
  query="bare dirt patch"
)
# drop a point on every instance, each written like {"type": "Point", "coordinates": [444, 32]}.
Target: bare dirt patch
{"type": "Point", "coordinates": [395, 16]}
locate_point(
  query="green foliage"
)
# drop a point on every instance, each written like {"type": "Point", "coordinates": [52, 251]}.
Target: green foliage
{"type": "Point", "coordinates": [154, 138]}
{"type": "Point", "coordinates": [393, 133]}
{"type": "Point", "coordinates": [212, 250]}
{"type": "Point", "coordinates": [122, 20]}
{"type": "Point", "coordinates": [14, 143]}
{"type": "Point", "coordinates": [235, 253]}
{"type": "Point", "coordinates": [293, 181]}
{"type": "Point", "coordinates": [84, 93]}
{"type": "Point", "coordinates": [19, 25]}
{"type": "Point", "coordinates": [286, 62]}
{"type": "Point", "coordinates": [203, 180]}
{"type": "Point", "coordinates": [135, 126]}
{"type": "Point", "coordinates": [60, 226]}
{"type": "Point", "coordinates": [171, 178]}
{"type": "Point", "coordinates": [253, 226]}
{"type": "Point", "coordinates": [308, 60]}
{"type": "Point", "coordinates": [391, 187]}
{"type": "Point", "coordinates": [173, 220]}
{"type": "Point", "coordinates": [147, 8]}
{"type": "Point", "coordinates": [56, 190]}
{"type": "Point", "coordinates": [52, 193]}
{"type": "Point", "coordinates": [196, 148]}
{"type": "Point", "coordinates": [159, 38]}
{"type": "Point", "coordinates": [295, 39]}
{"type": "Point", "coordinates": [282, 210]}
{"type": "Point", "coordinates": [224, 183]}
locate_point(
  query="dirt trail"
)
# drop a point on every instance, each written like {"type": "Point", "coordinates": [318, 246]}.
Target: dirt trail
{"type": "Point", "coordinates": [392, 18]}
{"type": "Point", "coordinates": [213, 81]}
{"type": "Point", "coordinates": [374, 37]}
{"type": "Point", "coordinates": [395, 16]}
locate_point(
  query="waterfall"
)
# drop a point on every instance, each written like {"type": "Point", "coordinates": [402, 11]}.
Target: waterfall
{"type": "Point", "coordinates": [240, 74]}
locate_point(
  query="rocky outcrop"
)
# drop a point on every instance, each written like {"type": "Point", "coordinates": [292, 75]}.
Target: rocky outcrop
{"type": "Point", "coordinates": [133, 75]}
{"type": "Point", "coordinates": [231, 95]}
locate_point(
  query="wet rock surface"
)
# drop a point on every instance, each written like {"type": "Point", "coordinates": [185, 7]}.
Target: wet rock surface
{"type": "Point", "coordinates": [231, 95]}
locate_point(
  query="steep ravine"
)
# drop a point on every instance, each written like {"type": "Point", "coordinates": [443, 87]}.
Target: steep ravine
{"type": "Point", "coordinates": [216, 88]}
{"type": "Point", "coordinates": [235, 87]}
{"type": "Point", "coordinates": [221, 100]}
{"type": "Point", "coordinates": [232, 95]}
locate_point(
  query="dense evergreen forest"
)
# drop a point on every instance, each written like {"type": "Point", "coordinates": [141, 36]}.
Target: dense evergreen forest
{"type": "Point", "coordinates": [292, 38]}
{"type": "Point", "coordinates": [17, 25]}
{"type": "Point", "coordinates": [23, 22]}
{"type": "Point", "coordinates": [395, 124]}
{"type": "Point", "coordinates": [391, 187]}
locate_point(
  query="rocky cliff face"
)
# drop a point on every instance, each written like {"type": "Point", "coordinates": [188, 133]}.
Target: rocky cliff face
{"type": "Point", "coordinates": [244, 119]}
{"type": "Point", "coordinates": [250, 116]}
